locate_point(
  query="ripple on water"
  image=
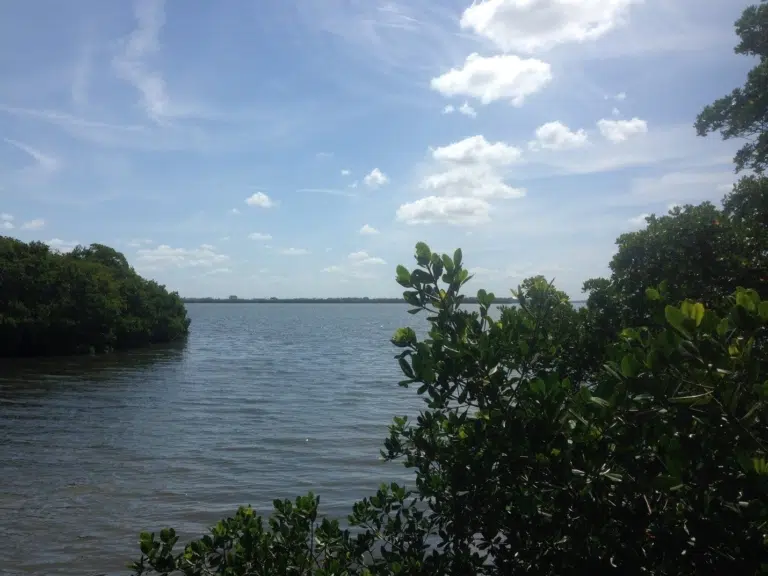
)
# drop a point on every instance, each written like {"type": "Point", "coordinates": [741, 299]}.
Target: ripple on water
{"type": "Point", "coordinates": [263, 402]}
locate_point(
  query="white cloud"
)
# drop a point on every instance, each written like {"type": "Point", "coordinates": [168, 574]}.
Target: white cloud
{"type": "Point", "coordinates": [130, 63]}
{"type": "Point", "coordinates": [363, 258]}
{"type": "Point", "coordinates": [36, 224]}
{"type": "Point", "coordinates": [368, 230]}
{"type": "Point", "coordinates": [557, 136]}
{"type": "Point", "coordinates": [259, 236]}
{"type": "Point", "coordinates": [615, 111]}
{"type": "Point", "coordinates": [45, 163]}
{"type": "Point", "coordinates": [207, 247]}
{"type": "Point", "coordinates": [450, 210]}
{"type": "Point", "coordinates": [478, 180]}
{"type": "Point", "coordinates": [476, 149]}
{"type": "Point", "coordinates": [6, 217]}
{"type": "Point", "coordinates": [136, 242]}
{"type": "Point", "coordinates": [470, 168]}
{"type": "Point", "coordinates": [449, 109]}
{"type": "Point", "coordinates": [354, 184]}
{"type": "Point", "coordinates": [621, 96]}
{"type": "Point", "coordinates": [467, 110]}
{"type": "Point", "coordinates": [500, 77]}
{"type": "Point", "coordinates": [235, 211]}
{"type": "Point", "coordinates": [6, 221]}
{"type": "Point", "coordinates": [345, 172]}
{"type": "Point", "coordinates": [166, 256]}
{"type": "Point", "coordinates": [62, 245]}
{"type": "Point", "coordinates": [259, 199]}
{"type": "Point", "coordinates": [621, 130]}
{"type": "Point", "coordinates": [532, 25]}
{"type": "Point", "coordinates": [294, 252]}
{"type": "Point", "coordinates": [638, 221]}
{"type": "Point", "coordinates": [375, 178]}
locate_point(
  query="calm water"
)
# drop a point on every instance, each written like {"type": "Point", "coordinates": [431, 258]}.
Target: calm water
{"type": "Point", "coordinates": [264, 401]}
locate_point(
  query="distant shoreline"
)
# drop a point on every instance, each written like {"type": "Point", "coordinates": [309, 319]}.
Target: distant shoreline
{"type": "Point", "coordinates": [327, 301]}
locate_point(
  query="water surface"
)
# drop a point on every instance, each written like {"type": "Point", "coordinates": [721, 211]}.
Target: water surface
{"type": "Point", "coordinates": [264, 401]}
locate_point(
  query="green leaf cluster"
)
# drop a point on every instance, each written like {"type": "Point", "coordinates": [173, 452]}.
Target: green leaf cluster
{"type": "Point", "coordinates": [88, 300]}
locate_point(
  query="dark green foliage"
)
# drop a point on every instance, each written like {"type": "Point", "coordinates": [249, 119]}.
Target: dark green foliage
{"type": "Point", "coordinates": [744, 112]}
{"type": "Point", "coordinates": [87, 300]}
{"type": "Point", "coordinates": [655, 463]}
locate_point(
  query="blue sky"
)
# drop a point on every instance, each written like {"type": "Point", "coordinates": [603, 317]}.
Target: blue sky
{"type": "Point", "coordinates": [302, 147]}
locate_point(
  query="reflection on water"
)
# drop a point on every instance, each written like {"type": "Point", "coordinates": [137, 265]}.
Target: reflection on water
{"type": "Point", "coordinates": [263, 401]}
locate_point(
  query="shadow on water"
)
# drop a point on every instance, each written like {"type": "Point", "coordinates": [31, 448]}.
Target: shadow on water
{"type": "Point", "coordinates": [51, 373]}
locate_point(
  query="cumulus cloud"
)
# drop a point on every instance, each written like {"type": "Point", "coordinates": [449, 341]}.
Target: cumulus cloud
{"type": "Point", "coordinates": [368, 230]}
{"type": "Point", "coordinates": [449, 210]}
{"type": "Point", "coordinates": [533, 25]}
{"type": "Point", "coordinates": [166, 256]}
{"type": "Point", "coordinates": [235, 210]}
{"type": "Point", "coordinates": [621, 130]}
{"type": "Point", "coordinates": [467, 110]}
{"type": "Point", "coordinates": [36, 224]}
{"type": "Point", "coordinates": [345, 172]}
{"type": "Point", "coordinates": [478, 180]}
{"type": "Point", "coordinates": [476, 149]}
{"type": "Point", "coordinates": [6, 221]}
{"type": "Point", "coordinates": [294, 252]}
{"type": "Point", "coordinates": [375, 178]}
{"type": "Point", "coordinates": [363, 258]}
{"type": "Point", "coordinates": [557, 136]}
{"type": "Point", "coordinates": [499, 77]}
{"type": "Point", "coordinates": [469, 167]}
{"type": "Point", "coordinates": [259, 199]}
{"type": "Point", "coordinates": [259, 236]}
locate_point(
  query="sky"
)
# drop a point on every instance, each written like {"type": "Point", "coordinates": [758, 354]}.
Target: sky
{"type": "Point", "coordinates": [299, 148]}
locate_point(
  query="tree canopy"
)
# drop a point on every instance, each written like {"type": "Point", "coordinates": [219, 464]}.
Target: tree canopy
{"type": "Point", "coordinates": [88, 300]}
{"type": "Point", "coordinates": [744, 112]}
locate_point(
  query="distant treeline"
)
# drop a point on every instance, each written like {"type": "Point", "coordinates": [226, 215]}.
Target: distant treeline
{"type": "Point", "coordinates": [88, 300]}
{"type": "Point", "coordinates": [274, 300]}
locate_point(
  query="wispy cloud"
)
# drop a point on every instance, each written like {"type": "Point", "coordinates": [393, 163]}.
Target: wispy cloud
{"type": "Point", "coordinates": [131, 63]}
{"type": "Point", "coordinates": [44, 162]}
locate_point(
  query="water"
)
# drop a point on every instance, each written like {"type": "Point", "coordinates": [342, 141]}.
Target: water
{"type": "Point", "coordinates": [264, 401]}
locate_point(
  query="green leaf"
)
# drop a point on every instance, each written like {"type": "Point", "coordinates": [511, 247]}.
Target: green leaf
{"type": "Point", "coordinates": [599, 401]}
{"type": "Point", "coordinates": [448, 263]}
{"type": "Point", "coordinates": [457, 257]}
{"type": "Point", "coordinates": [538, 386]}
{"type": "Point", "coordinates": [423, 254]}
{"type": "Point", "coordinates": [698, 313]}
{"type": "Point", "coordinates": [675, 318]}
{"type": "Point", "coordinates": [722, 326]}
{"type": "Point", "coordinates": [652, 294]}
{"type": "Point", "coordinates": [762, 309]}
{"type": "Point", "coordinates": [629, 366]}
{"type": "Point", "coordinates": [403, 276]}
{"type": "Point", "coordinates": [404, 337]}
